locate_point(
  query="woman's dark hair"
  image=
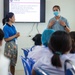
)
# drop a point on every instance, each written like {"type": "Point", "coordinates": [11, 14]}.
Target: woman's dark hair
{"type": "Point", "coordinates": [37, 39]}
{"type": "Point", "coordinates": [60, 43]}
{"type": "Point", "coordinates": [72, 34]}
{"type": "Point", "coordinates": [1, 35]}
{"type": "Point", "coordinates": [57, 7]}
{"type": "Point", "coordinates": [6, 18]}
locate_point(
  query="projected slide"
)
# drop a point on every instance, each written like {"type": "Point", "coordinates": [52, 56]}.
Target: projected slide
{"type": "Point", "coordinates": [25, 10]}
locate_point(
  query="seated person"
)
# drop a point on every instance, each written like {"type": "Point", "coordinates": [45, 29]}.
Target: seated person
{"type": "Point", "coordinates": [72, 34]}
{"type": "Point", "coordinates": [53, 64]}
{"type": "Point", "coordinates": [4, 62]}
{"type": "Point", "coordinates": [38, 51]}
{"type": "Point", "coordinates": [37, 43]}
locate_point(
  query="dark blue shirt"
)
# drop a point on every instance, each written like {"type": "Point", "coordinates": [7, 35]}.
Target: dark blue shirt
{"type": "Point", "coordinates": [9, 31]}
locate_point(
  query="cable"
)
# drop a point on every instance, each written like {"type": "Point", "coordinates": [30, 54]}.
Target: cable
{"type": "Point", "coordinates": [37, 27]}
{"type": "Point", "coordinates": [31, 30]}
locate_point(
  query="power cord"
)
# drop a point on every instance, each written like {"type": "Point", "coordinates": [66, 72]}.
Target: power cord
{"type": "Point", "coordinates": [37, 28]}
{"type": "Point", "coordinates": [31, 30]}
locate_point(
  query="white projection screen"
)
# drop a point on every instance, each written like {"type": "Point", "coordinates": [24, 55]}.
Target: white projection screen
{"type": "Point", "coordinates": [26, 10]}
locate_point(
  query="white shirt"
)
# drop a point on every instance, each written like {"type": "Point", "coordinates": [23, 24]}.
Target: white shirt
{"type": "Point", "coordinates": [4, 63]}
{"type": "Point", "coordinates": [45, 63]}
{"type": "Point", "coordinates": [37, 52]}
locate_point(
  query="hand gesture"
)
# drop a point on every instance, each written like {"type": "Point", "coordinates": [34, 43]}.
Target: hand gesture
{"type": "Point", "coordinates": [51, 24]}
{"type": "Point", "coordinates": [62, 23]}
{"type": "Point", "coordinates": [17, 34]}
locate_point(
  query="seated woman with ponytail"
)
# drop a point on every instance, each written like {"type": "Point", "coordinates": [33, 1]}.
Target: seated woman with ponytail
{"type": "Point", "coordinates": [53, 64]}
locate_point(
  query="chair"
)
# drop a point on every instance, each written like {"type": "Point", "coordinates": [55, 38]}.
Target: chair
{"type": "Point", "coordinates": [31, 48]}
{"type": "Point", "coordinates": [31, 61]}
{"type": "Point", "coordinates": [70, 71]}
{"type": "Point", "coordinates": [26, 65]}
{"type": "Point", "coordinates": [25, 51]}
{"type": "Point", "coordinates": [40, 71]}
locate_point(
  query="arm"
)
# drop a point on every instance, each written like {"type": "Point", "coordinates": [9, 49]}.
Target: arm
{"type": "Point", "coordinates": [33, 72]}
{"type": "Point", "coordinates": [65, 25]}
{"type": "Point", "coordinates": [12, 37]}
{"type": "Point", "coordinates": [51, 23]}
{"type": "Point", "coordinates": [37, 65]}
{"type": "Point", "coordinates": [67, 28]}
{"type": "Point", "coordinates": [49, 26]}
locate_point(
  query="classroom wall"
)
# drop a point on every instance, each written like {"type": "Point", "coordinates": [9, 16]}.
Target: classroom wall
{"type": "Point", "coordinates": [24, 41]}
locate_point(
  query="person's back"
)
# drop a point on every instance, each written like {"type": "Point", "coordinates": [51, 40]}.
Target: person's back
{"type": "Point", "coordinates": [46, 65]}
{"type": "Point", "coordinates": [37, 44]}
{"type": "Point", "coordinates": [72, 34]}
{"type": "Point", "coordinates": [53, 64]}
{"type": "Point", "coordinates": [4, 62]}
{"type": "Point", "coordinates": [38, 52]}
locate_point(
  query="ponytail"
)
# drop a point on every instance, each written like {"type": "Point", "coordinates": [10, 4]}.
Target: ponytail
{"type": "Point", "coordinates": [59, 47]}
{"type": "Point", "coordinates": [56, 60]}
{"type": "Point", "coordinates": [4, 21]}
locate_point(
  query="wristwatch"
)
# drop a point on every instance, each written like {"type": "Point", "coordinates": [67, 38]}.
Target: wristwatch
{"type": "Point", "coordinates": [65, 26]}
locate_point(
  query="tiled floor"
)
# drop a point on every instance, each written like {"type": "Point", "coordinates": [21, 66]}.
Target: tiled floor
{"type": "Point", "coordinates": [19, 73]}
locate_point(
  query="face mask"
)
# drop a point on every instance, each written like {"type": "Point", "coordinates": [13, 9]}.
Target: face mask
{"type": "Point", "coordinates": [56, 13]}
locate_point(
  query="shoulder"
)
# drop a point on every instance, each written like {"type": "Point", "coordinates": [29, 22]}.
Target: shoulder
{"type": "Point", "coordinates": [53, 18]}
{"type": "Point", "coordinates": [5, 26]}
{"type": "Point", "coordinates": [13, 26]}
{"type": "Point", "coordinates": [63, 18]}
{"type": "Point", "coordinates": [71, 56]}
{"type": "Point", "coordinates": [68, 56]}
{"type": "Point", "coordinates": [45, 59]}
{"type": "Point", "coordinates": [38, 46]}
{"type": "Point", "coordinates": [35, 47]}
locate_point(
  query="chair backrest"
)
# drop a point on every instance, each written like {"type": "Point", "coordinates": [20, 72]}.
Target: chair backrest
{"type": "Point", "coordinates": [70, 71]}
{"type": "Point", "coordinates": [32, 48]}
{"type": "Point", "coordinates": [40, 71]}
{"type": "Point", "coordinates": [25, 51]}
{"type": "Point", "coordinates": [31, 61]}
{"type": "Point", "coordinates": [26, 65]}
